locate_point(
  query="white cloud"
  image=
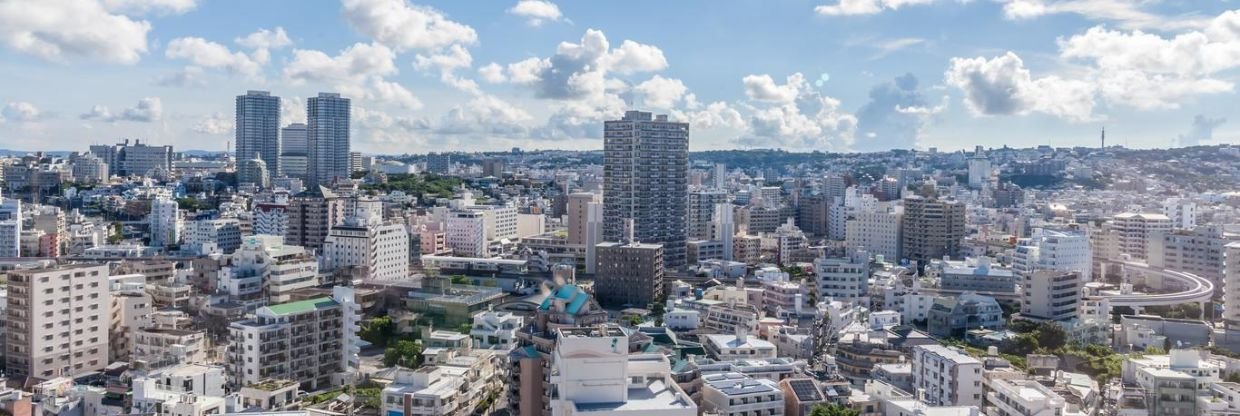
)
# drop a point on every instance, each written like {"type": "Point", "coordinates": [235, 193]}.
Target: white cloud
{"type": "Point", "coordinates": [492, 73]}
{"type": "Point", "coordinates": [1128, 13]}
{"type": "Point", "coordinates": [207, 54]}
{"type": "Point", "coordinates": [486, 115]}
{"type": "Point", "coordinates": [148, 109]}
{"type": "Point", "coordinates": [19, 111]}
{"type": "Point", "coordinates": [402, 26]}
{"type": "Point", "coordinates": [292, 110]}
{"type": "Point", "coordinates": [582, 71]}
{"type": "Point", "coordinates": [632, 57]}
{"type": "Point", "coordinates": [763, 88]}
{"type": "Point", "coordinates": [528, 71]}
{"type": "Point", "coordinates": [865, 7]}
{"type": "Point", "coordinates": [1003, 86]}
{"type": "Point", "coordinates": [139, 7]}
{"type": "Point", "coordinates": [661, 93]}
{"type": "Point", "coordinates": [190, 76]}
{"type": "Point", "coordinates": [58, 30]}
{"type": "Point", "coordinates": [1202, 130]}
{"type": "Point", "coordinates": [359, 71]}
{"type": "Point", "coordinates": [447, 62]}
{"type": "Point", "coordinates": [263, 41]}
{"type": "Point", "coordinates": [216, 124]}
{"type": "Point", "coordinates": [715, 115]}
{"type": "Point", "coordinates": [536, 12]}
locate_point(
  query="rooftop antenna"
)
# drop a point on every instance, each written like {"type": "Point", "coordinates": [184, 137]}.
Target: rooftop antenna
{"type": "Point", "coordinates": [1104, 137]}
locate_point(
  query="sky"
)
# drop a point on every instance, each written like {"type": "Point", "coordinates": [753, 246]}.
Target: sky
{"type": "Point", "coordinates": [826, 75]}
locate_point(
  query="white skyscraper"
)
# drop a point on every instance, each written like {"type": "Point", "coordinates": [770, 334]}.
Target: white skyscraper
{"type": "Point", "coordinates": [258, 132]}
{"type": "Point", "coordinates": [979, 169]}
{"type": "Point", "coordinates": [724, 228]}
{"type": "Point", "coordinates": [10, 227]}
{"type": "Point", "coordinates": [165, 222]}
{"type": "Point", "coordinates": [327, 138]}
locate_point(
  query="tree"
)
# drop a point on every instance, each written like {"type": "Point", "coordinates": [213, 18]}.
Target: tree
{"type": "Point", "coordinates": [404, 353]}
{"type": "Point", "coordinates": [378, 330]}
{"type": "Point", "coordinates": [465, 328]}
{"type": "Point", "coordinates": [1051, 336]}
{"type": "Point", "coordinates": [115, 233]}
{"type": "Point", "coordinates": [461, 280]}
{"type": "Point", "coordinates": [833, 410]}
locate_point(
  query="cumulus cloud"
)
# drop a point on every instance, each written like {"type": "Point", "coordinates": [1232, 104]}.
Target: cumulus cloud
{"type": "Point", "coordinates": [190, 76]}
{"type": "Point", "coordinates": [359, 71]}
{"type": "Point", "coordinates": [1003, 86]}
{"type": "Point", "coordinates": [215, 124]}
{"type": "Point", "coordinates": [487, 115]}
{"type": "Point", "coordinates": [717, 114]}
{"type": "Point", "coordinates": [203, 53]}
{"type": "Point", "coordinates": [447, 62]}
{"type": "Point", "coordinates": [19, 112]}
{"type": "Point", "coordinates": [403, 26]}
{"type": "Point", "coordinates": [865, 7]}
{"type": "Point", "coordinates": [794, 115]}
{"type": "Point", "coordinates": [661, 93]}
{"type": "Point", "coordinates": [150, 6]}
{"type": "Point", "coordinates": [894, 116]}
{"type": "Point", "coordinates": [292, 110]}
{"type": "Point", "coordinates": [492, 73]}
{"type": "Point", "coordinates": [581, 70]}
{"type": "Point", "coordinates": [763, 88]}
{"type": "Point", "coordinates": [148, 109]}
{"type": "Point", "coordinates": [58, 30]}
{"type": "Point", "coordinates": [1201, 131]}
{"type": "Point", "coordinates": [1127, 13]}
{"type": "Point", "coordinates": [263, 41]}
{"type": "Point", "coordinates": [536, 12]}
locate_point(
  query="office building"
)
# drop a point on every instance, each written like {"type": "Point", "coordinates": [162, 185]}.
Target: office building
{"type": "Point", "coordinates": [58, 321]}
{"type": "Point", "coordinates": [931, 229]}
{"type": "Point", "coordinates": [293, 151]}
{"type": "Point", "coordinates": [947, 376]}
{"type": "Point", "coordinates": [843, 278]}
{"type": "Point", "coordinates": [165, 222]}
{"type": "Point", "coordinates": [312, 342]}
{"type": "Point", "coordinates": [629, 273]}
{"type": "Point", "coordinates": [701, 211]}
{"type": "Point", "coordinates": [311, 214]}
{"type": "Point", "coordinates": [877, 231]}
{"type": "Point", "coordinates": [327, 138]}
{"type": "Point", "coordinates": [258, 133]}
{"type": "Point", "coordinates": [467, 233]}
{"type": "Point", "coordinates": [645, 176]}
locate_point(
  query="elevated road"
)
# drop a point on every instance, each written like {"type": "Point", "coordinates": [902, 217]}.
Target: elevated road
{"type": "Point", "coordinates": [1199, 289]}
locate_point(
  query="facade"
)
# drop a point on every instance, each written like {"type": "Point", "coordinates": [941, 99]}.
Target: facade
{"type": "Point", "coordinates": [1023, 398]}
{"type": "Point", "coordinates": [10, 227]}
{"type": "Point", "coordinates": [979, 169]}
{"type": "Point", "coordinates": [382, 248]}
{"type": "Point", "coordinates": [1058, 250]}
{"type": "Point", "coordinates": [931, 229]}
{"type": "Point", "coordinates": [58, 321]}
{"type": "Point", "coordinates": [88, 168]}
{"type": "Point", "coordinates": [271, 219]}
{"type": "Point", "coordinates": [952, 316]}
{"type": "Point", "coordinates": [137, 159]}
{"type": "Point", "coordinates": [312, 342]}
{"type": "Point", "coordinates": [181, 390]}
{"type": "Point", "coordinates": [495, 330]}
{"type": "Point", "coordinates": [1231, 286]}
{"type": "Point", "coordinates": [327, 138]}
{"type": "Point", "coordinates": [974, 275]}
{"type": "Point", "coordinates": [294, 151]}
{"type": "Point", "coordinates": [1199, 251]}
{"type": "Point", "coordinates": [1135, 230]}
{"type": "Point", "coordinates": [205, 236]}
{"type": "Point", "coordinates": [878, 231]}
{"type": "Point", "coordinates": [467, 233]}
{"type": "Point", "coordinates": [736, 394]}
{"type": "Point", "coordinates": [264, 269]}
{"type": "Point", "coordinates": [578, 207]}
{"type": "Point", "coordinates": [165, 222]}
{"type": "Point", "coordinates": [629, 274]}
{"type": "Point", "coordinates": [740, 346]}
{"type": "Point", "coordinates": [1051, 295]}
{"type": "Point", "coordinates": [258, 134]}
{"type": "Point", "coordinates": [701, 211]}
{"type": "Point", "coordinates": [947, 376]}
{"type": "Point", "coordinates": [843, 278]}
{"type": "Point", "coordinates": [645, 170]}
{"type": "Point", "coordinates": [439, 163]}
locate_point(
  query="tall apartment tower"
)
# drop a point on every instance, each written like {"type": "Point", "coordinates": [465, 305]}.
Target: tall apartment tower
{"type": "Point", "coordinates": [931, 228]}
{"type": "Point", "coordinates": [701, 210]}
{"type": "Point", "coordinates": [1231, 286]}
{"type": "Point", "coordinates": [165, 222]}
{"type": "Point", "coordinates": [293, 151]}
{"type": "Point", "coordinates": [258, 131]}
{"type": "Point", "coordinates": [327, 138]}
{"type": "Point", "coordinates": [58, 321]}
{"type": "Point", "coordinates": [311, 214]}
{"type": "Point", "coordinates": [645, 179]}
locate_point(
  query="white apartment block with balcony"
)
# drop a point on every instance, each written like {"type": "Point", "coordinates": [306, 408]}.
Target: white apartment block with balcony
{"type": "Point", "coordinates": [843, 278]}
{"type": "Point", "coordinates": [58, 321]}
{"type": "Point", "coordinates": [593, 373]}
{"type": "Point", "coordinates": [945, 376]}
{"type": "Point", "coordinates": [265, 270]}
{"type": "Point", "coordinates": [1182, 212]}
{"type": "Point", "coordinates": [495, 330]}
{"type": "Point", "coordinates": [381, 248]}
{"type": "Point", "coordinates": [220, 235]}
{"type": "Point", "coordinates": [876, 230]}
{"type": "Point", "coordinates": [1025, 398]}
{"type": "Point", "coordinates": [313, 342]}
{"type": "Point", "coordinates": [1049, 249]}
{"type": "Point", "coordinates": [736, 394]}
{"type": "Point", "coordinates": [426, 391]}
{"type": "Point", "coordinates": [1048, 295]}
{"type": "Point", "coordinates": [740, 346]}
{"type": "Point", "coordinates": [1135, 230]}
{"type": "Point", "coordinates": [181, 390]}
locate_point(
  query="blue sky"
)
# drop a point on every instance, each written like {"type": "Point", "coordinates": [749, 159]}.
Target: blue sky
{"type": "Point", "coordinates": [831, 75]}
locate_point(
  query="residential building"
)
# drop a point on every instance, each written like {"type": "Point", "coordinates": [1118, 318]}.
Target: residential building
{"type": "Point", "coordinates": [646, 162]}
{"type": "Point", "coordinates": [843, 278]}
{"type": "Point", "coordinates": [1231, 286]}
{"type": "Point", "coordinates": [931, 229]}
{"type": "Point", "coordinates": [59, 320]}
{"type": "Point", "coordinates": [221, 235]}
{"type": "Point", "coordinates": [467, 233]}
{"type": "Point", "coordinates": [1025, 398]}
{"type": "Point", "coordinates": [10, 227]}
{"type": "Point", "coordinates": [979, 169]}
{"type": "Point", "coordinates": [311, 214]}
{"type": "Point", "coordinates": [258, 133]}
{"type": "Point", "coordinates": [264, 269]}
{"type": "Point", "coordinates": [951, 316]}
{"type": "Point", "coordinates": [312, 342]}
{"type": "Point", "coordinates": [1048, 295]}
{"type": "Point", "coordinates": [1199, 251]}
{"type": "Point", "coordinates": [382, 248]}
{"type": "Point", "coordinates": [877, 231]}
{"type": "Point", "coordinates": [165, 222]}
{"type": "Point", "coordinates": [1057, 250]}
{"type": "Point", "coordinates": [1182, 212]}
{"type": "Point", "coordinates": [495, 330]}
{"type": "Point", "coordinates": [736, 394]}
{"type": "Point", "coordinates": [629, 273]}
{"type": "Point", "coordinates": [1135, 230]}
{"type": "Point", "coordinates": [701, 211]}
{"type": "Point", "coordinates": [947, 376]}
{"type": "Point", "coordinates": [439, 163]}
{"type": "Point", "coordinates": [739, 346]}
{"type": "Point", "coordinates": [294, 151]}
{"type": "Point", "coordinates": [180, 390]}
{"type": "Point", "coordinates": [271, 219]}
{"type": "Point", "coordinates": [327, 138]}
{"type": "Point", "coordinates": [592, 372]}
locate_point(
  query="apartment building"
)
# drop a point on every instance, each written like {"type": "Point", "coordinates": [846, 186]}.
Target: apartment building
{"type": "Point", "coordinates": [381, 248]}
{"type": "Point", "coordinates": [946, 376]}
{"type": "Point", "coordinates": [58, 321]}
{"type": "Point", "coordinates": [931, 228]}
{"type": "Point", "coordinates": [495, 329]}
{"type": "Point", "coordinates": [311, 214]}
{"type": "Point", "coordinates": [265, 269]}
{"type": "Point", "coordinates": [592, 372]}
{"type": "Point", "coordinates": [735, 394]}
{"type": "Point", "coordinates": [1134, 231]}
{"type": "Point", "coordinates": [843, 278]}
{"type": "Point", "coordinates": [877, 231]}
{"type": "Point", "coordinates": [1049, 295]}
{"type": "Point", "coordinates": [312, 342]}
{"type": "Point", "coordinates": [629, 273]}
{"type": "Point", "coordinates": [467, 233]}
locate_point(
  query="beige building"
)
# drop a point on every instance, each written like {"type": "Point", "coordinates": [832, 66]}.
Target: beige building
{"type": "Point", "coordinates": [311, 214]}
{"type": "Point", "coordinates": [58, 321]}
{"type": "Point", "coordinates": [1136, 229]}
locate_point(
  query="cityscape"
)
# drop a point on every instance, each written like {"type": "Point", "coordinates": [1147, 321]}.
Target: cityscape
{"type": "Point", "coordinates": [640, 253]}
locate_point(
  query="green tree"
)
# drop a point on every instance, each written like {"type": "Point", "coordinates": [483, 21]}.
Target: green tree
{"type": "Point", "coordinates": [1051, 336]}
{"type": "Point", "coordinates": [833, 410]}
{"type": "Point", "coordinates": [115, 235]}
{"type": "Point", "coordinates": [404, 353]}
{"type": "Point", "coordinates": [465, 328]}
{"type": "Point", "coordinates": [461, 280]}
{"type": "Point", "coordinates": [378, 330]}
{"type": "Point", "coordinates": [189, 204]}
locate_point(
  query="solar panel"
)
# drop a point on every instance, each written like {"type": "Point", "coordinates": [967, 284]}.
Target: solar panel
{"type": "Point", "coordinates": [805, 390]}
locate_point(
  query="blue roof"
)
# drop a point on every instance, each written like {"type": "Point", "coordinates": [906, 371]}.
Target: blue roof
{"type": "Point", "coordinates": [574, 295]}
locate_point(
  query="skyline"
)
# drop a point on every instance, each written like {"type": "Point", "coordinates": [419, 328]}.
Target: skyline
{"type": "Point", "coordinates": [856, 75]}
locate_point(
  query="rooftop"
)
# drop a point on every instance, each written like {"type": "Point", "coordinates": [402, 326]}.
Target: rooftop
{"type": "Point", "coordinates": [302, 306]}
{"type": "Point", "coordinates": [654, 395]}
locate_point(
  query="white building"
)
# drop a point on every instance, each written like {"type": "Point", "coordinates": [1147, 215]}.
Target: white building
{"type": "Point", "coordinates": [979, 169]}
{"type": "Point", "coordinates": [496, 330]}
{"type": "Point", "coordinates": [723, 225]}
{"type": "Point", "coordinates": [313, 342]}
{"type": "Point", "coordinates": [1231, 286]}
{"type": "Point", "coordinates": [382, 248]}
{"type": "Point", "coordinates": [739, 346]}
{"type": "Point", "coordinates": [1135, 230]}
{"type": "Point", "coordinates": [265, 269]}
{"type": "Point", "coordinates": [500, 221]}
{"type": "Point", "coordinates": [271, 219]}
{"type": "Point", "coordinates": [593, 373]}
{"type": "Point", "coordinates": [946, 376]}
{"type": "Point", "coordinates": [736, 394]}
{"type": "Point", "coordinates": [165, 222]}
{"type": "Point", "coordinates": [1049, 295]}
{"type": "Point", "coordinates": [878, 231]}
{"type": "Point", "coordinates": [428, 391]}
{"type": "Point", "coordinates": [10, 227]}
{"type": "Point", "coordinates": [467, 233]}
{"type": "Point", "coordinates": [1025, 398]}
{"type": "Point", "coordinates": [221, 235]}
{"type": "Point", "coordinates": [1048, 249]}
{"type": "Point", "coordinates": [1182, 212]}
{"type": "Point", "coordinates": [843, 278]}
{"type": "Point", "coordinates": [181, 390]}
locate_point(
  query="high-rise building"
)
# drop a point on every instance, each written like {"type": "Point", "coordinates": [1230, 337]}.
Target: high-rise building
{"type": "Point", "coordinates": [293, 151]}
{"type": "Point", "coordinates": [931, 228]}
{"type": "Point", "coordinates": [467, 233]}
{"type": "Point", "coordinates": [701, 211]}
{"type": "Point", "coordinates": [1231, 286]}
{"type": "Point", "coordinates": [578, 206]}
{"type": "Point", "coordinates": [265, 270]}
{"type": "Point", "coordinates": [57, 321]}
{"type": "Point", "coordinates": [979, 169]}
{"type": "Point", "coordinates": [843, 278]}
{"type": "Point", "coordinates": [1058, 250]}
{"type": "Point", "coordinates": [1049, 295]}
{"type": "Point", "coordinates": [382, 248]}
{"type": "Point", "coordinates": [164, 222]}
{"type": "Point", "coordinates": [1199, 251]}
{"type": "Point", "coordinates": [1136, 229]}
{"type": "Point", "coordinates": [312, 342]}
{"type": "Point", "coordinates": [311, 214]}
{"type": "Point", "coordinates": [258, 131]}
{"type": "Point", "coordinates": [439, 163]}
{"type": "Point", "coordinates": [327, 138]}
{"type": "Point", "coordinates": [719, 176]}
{"type": "Point", "coordinates": [723, 227]}
{"type": "Point", "coordinates": [126, 159]}
{"type": "Point", "coordinates": [628, 273]}
{"type": "Point", "coordinates": [1183, 213]}
{"type": "Point", "coordinates": [645, 171]}
{"type": "Point", "coordinates": [10, 227]}
{"type": "Point", "coordinates": [876, 230]}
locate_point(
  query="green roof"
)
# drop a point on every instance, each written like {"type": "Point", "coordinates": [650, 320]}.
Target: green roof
{"type": "Point", "coordinates": [302, 306]}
